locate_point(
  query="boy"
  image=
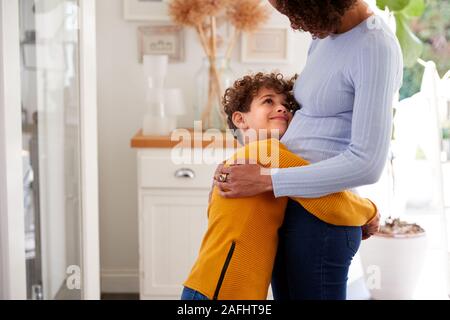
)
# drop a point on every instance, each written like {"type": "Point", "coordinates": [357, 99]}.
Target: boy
{"type": "Point", "coordinates": [238, 250]}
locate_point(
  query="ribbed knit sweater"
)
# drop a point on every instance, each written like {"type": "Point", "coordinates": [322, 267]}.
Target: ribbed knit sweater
{"type": "Point", "coordinates": [343, 129]}
{"type": "Point", "coordinates": [238, 250]}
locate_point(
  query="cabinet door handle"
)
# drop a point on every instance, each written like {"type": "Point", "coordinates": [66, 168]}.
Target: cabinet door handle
{"type": "Point", "coordinates": [185, 173]}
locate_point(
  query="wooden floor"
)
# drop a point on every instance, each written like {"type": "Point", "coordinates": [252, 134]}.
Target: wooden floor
{"type": "Point", "coordinates": [120, 296]}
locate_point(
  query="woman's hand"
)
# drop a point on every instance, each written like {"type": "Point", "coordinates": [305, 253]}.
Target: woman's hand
{"type": "Point", "coordinates": [371, 228]}
{"type": "Point", "coordinates": [242, 180]}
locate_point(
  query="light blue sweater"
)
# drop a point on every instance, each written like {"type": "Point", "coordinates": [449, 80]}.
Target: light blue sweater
{"type": "Point", "coordinates": [344, 127]}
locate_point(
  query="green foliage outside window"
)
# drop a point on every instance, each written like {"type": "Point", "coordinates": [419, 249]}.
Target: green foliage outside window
{"type": "Point", "coordinates": [424, 32]}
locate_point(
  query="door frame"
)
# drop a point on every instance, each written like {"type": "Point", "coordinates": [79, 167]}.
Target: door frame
{"type": "Point", "coordinates": [89, 152]}
{"type": "Point", "coordinates": [12, 234]}
{"type": "Point", "coordinates": [12, 239]}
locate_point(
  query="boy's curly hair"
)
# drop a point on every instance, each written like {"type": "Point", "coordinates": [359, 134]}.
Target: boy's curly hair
{"type": "Point", "coordinates": [239, 97]}
{"type": "Point", "coordinates": [317, 17]}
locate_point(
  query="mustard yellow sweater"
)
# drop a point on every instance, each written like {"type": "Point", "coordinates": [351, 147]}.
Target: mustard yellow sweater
{"type": "Point", "coordinates": [238, 250]}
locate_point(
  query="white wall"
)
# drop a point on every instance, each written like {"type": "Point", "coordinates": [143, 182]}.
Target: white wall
{"type": "Point", "coordinates": [121, 105]}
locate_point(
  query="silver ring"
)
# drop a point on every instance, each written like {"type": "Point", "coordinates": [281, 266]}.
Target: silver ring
{"type": "Point", "coordinates": [223, 177]}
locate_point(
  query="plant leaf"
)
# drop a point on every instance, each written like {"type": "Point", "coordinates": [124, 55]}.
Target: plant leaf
{"type": "Point", "coordinates": [411, 46]}
{"type": "Point", "coordinates": [415, 8]}
{"type": "Point", "coordinates": [393, 5]}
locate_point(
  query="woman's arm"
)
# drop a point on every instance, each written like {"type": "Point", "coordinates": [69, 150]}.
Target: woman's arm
{"type": "Point", "coordinates": [342, 208]}
{"type": "Point", "coordinates": [376, 73]}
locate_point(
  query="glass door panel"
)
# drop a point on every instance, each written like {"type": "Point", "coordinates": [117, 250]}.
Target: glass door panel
{"type": "Point", "coordinates": [51, 147]}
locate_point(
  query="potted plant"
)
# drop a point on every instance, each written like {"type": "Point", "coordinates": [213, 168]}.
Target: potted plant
{"type": "Point", "coordinates": [393, 259]}
{"type": "Point", "coordinates": [403, 11]}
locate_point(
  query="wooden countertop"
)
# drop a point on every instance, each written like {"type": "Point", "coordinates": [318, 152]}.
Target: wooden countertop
{"type": "Point", "coordinates": [185, 138]}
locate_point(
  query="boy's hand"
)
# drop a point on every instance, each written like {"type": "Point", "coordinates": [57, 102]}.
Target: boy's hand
{"type": "Point", "coordinates": [242, 180]}
{"type": "Point", "coordinates": [371, 228]}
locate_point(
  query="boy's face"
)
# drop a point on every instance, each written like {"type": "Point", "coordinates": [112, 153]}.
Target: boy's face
{"type": "Point", "coordinates": [268, 112]}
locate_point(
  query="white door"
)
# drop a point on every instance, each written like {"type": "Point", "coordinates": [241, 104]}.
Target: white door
{"type": "Point", "coordinates": [51, 229]}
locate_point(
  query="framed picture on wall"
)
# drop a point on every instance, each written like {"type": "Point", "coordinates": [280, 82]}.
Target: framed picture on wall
{"type": "Point", "coordinates": [164, 39]}
{"type": "Point", "coordinates": [267, 45]}
{"type": "Point", "coordinates": [146, 10]}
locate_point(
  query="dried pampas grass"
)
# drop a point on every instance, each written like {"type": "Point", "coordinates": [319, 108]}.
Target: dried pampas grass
{"type": "Point", "coordinates": [186, 12]}
{"type": "Point", "coordinates": [214, 7]}
{"type": "Point", "coordinates": [244, 15]}
{"type": "Point", "coordinates": [247, 15]}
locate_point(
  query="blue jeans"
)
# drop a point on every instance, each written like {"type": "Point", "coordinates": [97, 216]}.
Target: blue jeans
{"type": "Point", "coordinates": [189, 294]}
{"type": "Point", "coordinates": [313, 257]}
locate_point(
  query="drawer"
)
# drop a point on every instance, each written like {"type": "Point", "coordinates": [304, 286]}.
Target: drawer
{"type": "Point", "coordinates": [160, 170]}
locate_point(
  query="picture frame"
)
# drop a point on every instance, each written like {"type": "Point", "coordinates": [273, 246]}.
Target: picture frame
{"type": "Point", "coordinates": [271, 44]}
{"type": "Point", "coordinates": [146, 10]}
{"type": "Point", "coordinates": [162, 40]}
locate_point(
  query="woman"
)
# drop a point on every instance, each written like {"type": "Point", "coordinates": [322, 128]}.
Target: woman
{"type": "Point", "coordinates": [346, 90]}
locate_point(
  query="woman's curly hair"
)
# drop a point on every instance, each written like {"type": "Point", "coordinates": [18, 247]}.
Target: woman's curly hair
{"type": "Point", "coordinates": [239, 97]}
{"type": "Point", "coordinates": [319, 17]}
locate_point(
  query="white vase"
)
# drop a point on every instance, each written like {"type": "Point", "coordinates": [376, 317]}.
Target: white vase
{"type": "Point", "coordinates": [392, 265]}
{"type": "Point", "coordinates": [155, 70]}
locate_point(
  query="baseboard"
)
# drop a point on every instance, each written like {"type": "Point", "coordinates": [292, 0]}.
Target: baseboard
{"type": "Point", "coordinates": [119, 281]}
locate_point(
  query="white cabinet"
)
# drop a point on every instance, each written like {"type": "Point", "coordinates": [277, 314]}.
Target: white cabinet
{"type": "Point", "coordinates": [173, 202]}
{"type": "Point", "coordinates": [172, 223]}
